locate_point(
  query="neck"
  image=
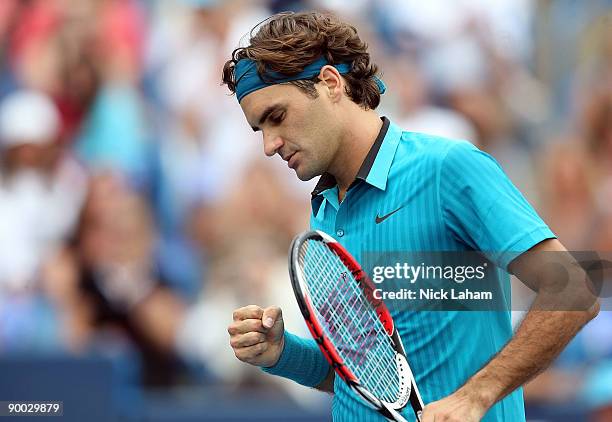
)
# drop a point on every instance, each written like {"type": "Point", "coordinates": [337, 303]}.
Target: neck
{"type": "Point", "coordinates": [359, 135]}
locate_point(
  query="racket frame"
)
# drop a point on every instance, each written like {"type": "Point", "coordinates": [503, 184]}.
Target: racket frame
{"type": "Point", "coordinates": [408, 389]}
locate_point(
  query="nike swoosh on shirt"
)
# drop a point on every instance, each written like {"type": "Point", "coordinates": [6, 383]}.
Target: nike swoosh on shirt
{"type": "Point", "coordinates": [384, 217]}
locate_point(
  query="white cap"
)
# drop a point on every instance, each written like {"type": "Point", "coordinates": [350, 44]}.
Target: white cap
{"type": "Point", "coordinates": [28, 117]}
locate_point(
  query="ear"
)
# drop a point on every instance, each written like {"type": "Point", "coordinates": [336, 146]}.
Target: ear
{"type": "Point", "coordinates": [332, 82]}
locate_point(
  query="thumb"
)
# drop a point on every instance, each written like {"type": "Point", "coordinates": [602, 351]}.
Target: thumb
{"type": "Point", "coordinates": [271, 315]}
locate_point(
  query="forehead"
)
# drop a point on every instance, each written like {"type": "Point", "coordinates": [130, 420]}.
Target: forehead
{"type": "Point", "coordinates": [255, 103]}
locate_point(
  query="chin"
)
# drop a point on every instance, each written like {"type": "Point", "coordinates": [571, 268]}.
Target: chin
{"type": "Point", "coordinates": [305, 176]}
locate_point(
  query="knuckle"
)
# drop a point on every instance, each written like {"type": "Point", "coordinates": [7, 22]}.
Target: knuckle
{"type": "Point", "coordinates": [255, 326]}
{"type": "Point", "coordinates": [252, 335]}
{"type": "Point", "coordinates": [253, 308]}
{"type": "Point", "coordinates": [261, 347]}
{"type": "Point", "coordinates": [251, 338]}
{"type": "Point", "coordinates": [242, 354]}
{"type": "Point", "coordinates": [248, 327]}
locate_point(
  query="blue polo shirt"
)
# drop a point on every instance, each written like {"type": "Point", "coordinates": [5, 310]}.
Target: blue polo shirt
{"type": "Point", "coordinates": [445, 195]}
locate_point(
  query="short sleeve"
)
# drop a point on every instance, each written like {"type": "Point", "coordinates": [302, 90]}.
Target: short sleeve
{"type": "Point", "coordinates": [483, 209]}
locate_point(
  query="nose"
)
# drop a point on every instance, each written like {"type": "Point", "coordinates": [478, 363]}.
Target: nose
{"type": "Point", "coordinates": [272, 143]}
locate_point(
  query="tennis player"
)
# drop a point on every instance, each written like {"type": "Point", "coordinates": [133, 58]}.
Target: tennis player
{"type": "Point", "coordinates": [307, 83]}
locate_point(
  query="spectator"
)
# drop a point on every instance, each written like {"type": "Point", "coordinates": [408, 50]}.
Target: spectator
{"type": "Point", "coordinates": [41, 193]}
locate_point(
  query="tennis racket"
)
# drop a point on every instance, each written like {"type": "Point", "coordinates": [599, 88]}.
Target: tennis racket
{"type": "Point", "coordinates": [353, 329]}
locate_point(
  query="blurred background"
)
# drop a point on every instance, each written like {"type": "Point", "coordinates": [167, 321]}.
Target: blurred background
{"type": "Point", "coordinates": [137, 209]}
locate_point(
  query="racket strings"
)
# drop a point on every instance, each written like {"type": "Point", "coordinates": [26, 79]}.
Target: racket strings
{"type": "Point", "coordinates": [349, 345]}
{"type": "Point", "coordinates": [349, 320]}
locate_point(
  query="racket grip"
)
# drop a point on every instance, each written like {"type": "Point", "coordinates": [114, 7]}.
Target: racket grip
{"type": "Point", "coordinates": [394, 415]}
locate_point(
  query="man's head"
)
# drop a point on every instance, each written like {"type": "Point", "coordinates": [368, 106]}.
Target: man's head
{"type": "Point", "coordinates": [29, 127]}
{"type": "Point", "coordinates": [298, 80]}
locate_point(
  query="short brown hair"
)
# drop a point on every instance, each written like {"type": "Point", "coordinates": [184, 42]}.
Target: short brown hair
{"type": "Point", "coordinates": [287, 42]}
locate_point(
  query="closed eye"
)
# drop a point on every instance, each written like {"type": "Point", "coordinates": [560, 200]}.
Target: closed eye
{"type": "Point", "coordinates": [277, 119]}
{"type": "Point", "coordinates": [275, 113]}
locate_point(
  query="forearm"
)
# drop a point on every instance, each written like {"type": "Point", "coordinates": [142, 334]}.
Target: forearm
{"type": "Point", "coordinates": [539, 339]}
{"type": "Point", "coordinates": [564, 303]}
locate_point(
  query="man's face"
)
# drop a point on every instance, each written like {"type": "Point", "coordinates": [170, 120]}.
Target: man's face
{"type": "Point", "coordinates": [301, 129]}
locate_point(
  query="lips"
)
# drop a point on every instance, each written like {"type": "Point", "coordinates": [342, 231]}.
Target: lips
{"type": "Point", "coordinates": [291, 160]}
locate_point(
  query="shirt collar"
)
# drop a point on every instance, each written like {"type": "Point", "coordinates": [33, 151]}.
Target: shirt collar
{"type": "Point", "coordinates": [375, 168]}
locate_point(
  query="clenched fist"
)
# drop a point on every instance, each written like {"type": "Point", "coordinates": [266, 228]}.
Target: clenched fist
{"type": "Point", "coordinates": [257, 335]}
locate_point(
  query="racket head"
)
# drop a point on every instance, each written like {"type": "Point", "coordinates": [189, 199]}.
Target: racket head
{"type": "Point", "coordinates": [333, 291]}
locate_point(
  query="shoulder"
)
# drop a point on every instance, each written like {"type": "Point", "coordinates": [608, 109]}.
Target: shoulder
{"type": "Point", "coordinates": [432, 150]}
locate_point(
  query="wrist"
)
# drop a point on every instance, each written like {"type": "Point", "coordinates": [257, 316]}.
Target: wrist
{"type": "Point", "coordinates": [281, 348]}
{"type": "Point", "coordinates": [480, 395]}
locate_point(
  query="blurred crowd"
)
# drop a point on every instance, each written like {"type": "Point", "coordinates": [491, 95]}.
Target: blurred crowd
{"type": "Point", "coordinates": [137, 209]}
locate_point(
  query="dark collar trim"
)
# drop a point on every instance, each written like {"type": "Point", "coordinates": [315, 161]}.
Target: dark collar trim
{"type": "Point", "coordinates": [328, 181]}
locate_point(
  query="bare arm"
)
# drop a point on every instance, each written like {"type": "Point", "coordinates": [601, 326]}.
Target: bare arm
{"type": "Point", "coordinates": [545, 331]}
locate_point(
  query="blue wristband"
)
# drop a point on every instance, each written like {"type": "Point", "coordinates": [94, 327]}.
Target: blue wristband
{"type": "Point", "coordinates": [301, 361]}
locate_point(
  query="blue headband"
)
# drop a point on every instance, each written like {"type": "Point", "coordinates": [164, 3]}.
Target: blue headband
{"type": "Point", "coordinates": [248, 79]}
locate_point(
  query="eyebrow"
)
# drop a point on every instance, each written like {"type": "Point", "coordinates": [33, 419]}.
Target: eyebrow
{"type": "Point", "coordinates": [269, 110]}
